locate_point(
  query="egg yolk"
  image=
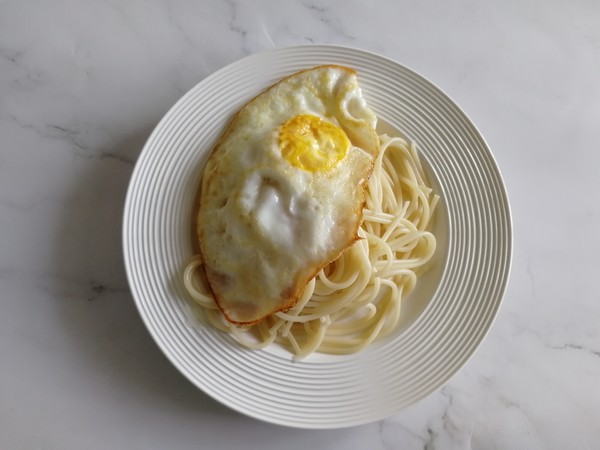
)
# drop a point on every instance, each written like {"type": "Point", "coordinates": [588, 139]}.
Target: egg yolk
{"type": "Point", "coordinates": [311, 143]}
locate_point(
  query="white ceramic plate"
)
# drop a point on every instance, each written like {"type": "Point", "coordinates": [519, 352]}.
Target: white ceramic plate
{"type": "Point", "coordinates": [444, 320]}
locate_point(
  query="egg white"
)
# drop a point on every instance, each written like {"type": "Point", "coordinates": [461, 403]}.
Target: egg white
{"type": "Point", "coordinates": [266, 226]}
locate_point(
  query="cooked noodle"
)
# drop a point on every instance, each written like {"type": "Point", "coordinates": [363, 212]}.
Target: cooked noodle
{"type": "Point", "coordinates": [357, 298]}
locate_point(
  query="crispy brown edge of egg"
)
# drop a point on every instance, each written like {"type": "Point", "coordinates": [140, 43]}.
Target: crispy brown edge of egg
{"type": "Point", "coordinates": [297, 288]}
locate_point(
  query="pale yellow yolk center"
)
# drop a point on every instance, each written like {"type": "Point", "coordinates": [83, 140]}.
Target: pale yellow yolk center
{"type": "Point", "coordinates": [312, 144]}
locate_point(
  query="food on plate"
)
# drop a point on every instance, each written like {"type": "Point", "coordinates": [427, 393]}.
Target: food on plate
{"type": "Point", "coordinates": [311, 227]}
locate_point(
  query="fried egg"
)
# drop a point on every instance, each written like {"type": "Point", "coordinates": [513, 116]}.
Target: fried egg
{"type": "Point", "coordinates": [283, 191]}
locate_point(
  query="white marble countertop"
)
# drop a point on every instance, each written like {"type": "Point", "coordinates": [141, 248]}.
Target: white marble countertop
{"type": "Point", "coordinates": [82, 84]}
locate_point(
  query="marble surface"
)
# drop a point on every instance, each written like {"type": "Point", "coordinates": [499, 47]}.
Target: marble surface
{"type": "Point", "coordinates": [82, 84]}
